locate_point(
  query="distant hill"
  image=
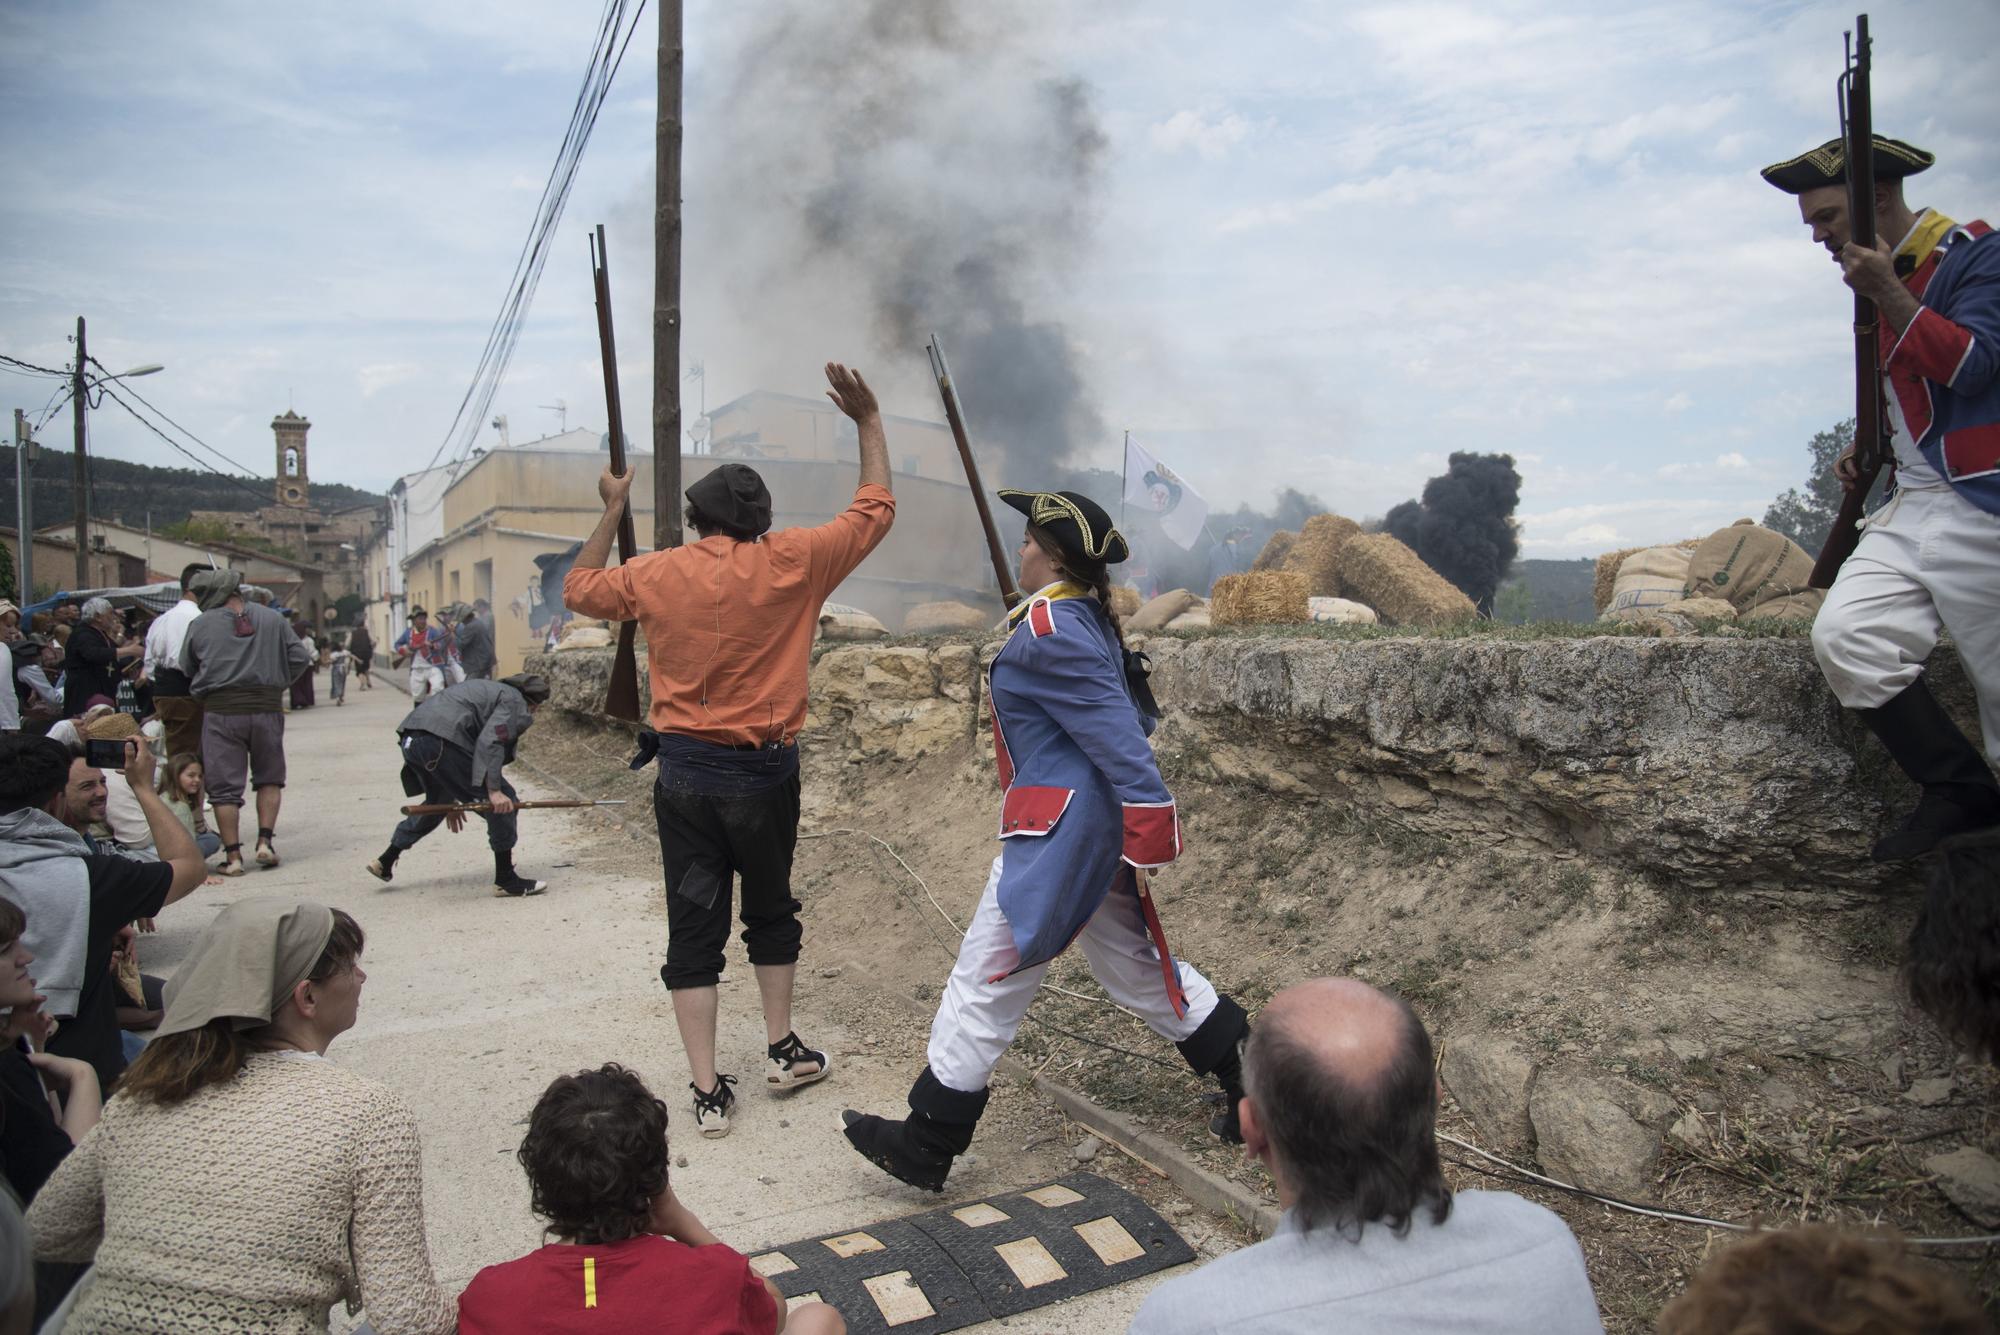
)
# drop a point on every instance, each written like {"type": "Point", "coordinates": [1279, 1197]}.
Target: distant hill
{"type": "Point", "coordinates": [1547, 591]}
{"type": "Point", "coordinates": [127, 491]}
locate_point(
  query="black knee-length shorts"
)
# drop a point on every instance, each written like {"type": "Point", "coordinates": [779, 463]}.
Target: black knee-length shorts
{"type": "Point", "coordinates": [706, 843]}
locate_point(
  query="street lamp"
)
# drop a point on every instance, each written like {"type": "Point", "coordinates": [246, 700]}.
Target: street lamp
{"type": "Point", "coordinates": [80, 393]}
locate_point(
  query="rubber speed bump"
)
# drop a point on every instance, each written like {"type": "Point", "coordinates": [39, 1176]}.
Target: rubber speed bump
{"type": "Point", "coordinates": [969, 1263]}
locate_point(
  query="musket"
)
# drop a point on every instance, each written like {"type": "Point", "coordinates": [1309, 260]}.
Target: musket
{"type": "Point", "coordinates": [621, 701]}
{"type": "Point", "coordinates": [456, 808]}
{"type": "Point", "coordinates": [955, 416]}
{"type": "Point", "coordinates": [1857, 129]}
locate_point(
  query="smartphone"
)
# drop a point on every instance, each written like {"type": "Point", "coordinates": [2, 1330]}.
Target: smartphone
{"type": "Point", "coordinates": [104, 755]}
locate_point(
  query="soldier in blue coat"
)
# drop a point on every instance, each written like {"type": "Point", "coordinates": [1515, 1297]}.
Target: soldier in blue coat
{"type": "Point", "coordinates": [1084, 819]}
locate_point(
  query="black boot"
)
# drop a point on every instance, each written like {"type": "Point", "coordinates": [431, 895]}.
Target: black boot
{"type": "Point", "coordinates": [1959, 792]}
{"type": "Point", "coordinates": [1215, 1049]}
{"type": "Point", "coordinates": [919, 1149]}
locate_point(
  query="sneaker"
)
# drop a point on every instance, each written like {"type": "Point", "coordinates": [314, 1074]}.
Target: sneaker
{"type": "Point", "coordinates": [786, 1057]}
{"type": "Point", "coordinates": [518, 887]}
{"type": "Point", "coordinates": [711, 1110]}
{"type": "Point", "coordinates": [381, 871]}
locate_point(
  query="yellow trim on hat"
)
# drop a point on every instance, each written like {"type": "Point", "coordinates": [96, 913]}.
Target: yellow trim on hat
{"type": "Point", "coordinates": [1049, 507]}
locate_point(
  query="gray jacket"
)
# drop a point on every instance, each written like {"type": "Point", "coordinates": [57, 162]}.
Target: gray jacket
{"type": "Point", "coordinates": [484, 717]}
{"type": "Point", "coordinates": [42, 870]}
{"type": "Point", "coordinates": [475, 647]}
{"type": "Point", "coordinates": [214, 656]}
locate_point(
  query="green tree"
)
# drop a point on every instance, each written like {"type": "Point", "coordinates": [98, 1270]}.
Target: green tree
{"type": "Point", "coordinates": [7, 589]}
{"type": "Point", "coordinates": [1806, 515]}
{"type": "Point", "coordinates": [1515, 603]}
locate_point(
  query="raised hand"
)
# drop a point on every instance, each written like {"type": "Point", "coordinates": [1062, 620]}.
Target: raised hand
{"type": "Point", "coordinates": [850, 393]}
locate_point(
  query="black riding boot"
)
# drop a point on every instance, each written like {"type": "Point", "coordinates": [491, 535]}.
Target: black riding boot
{"type": "Point", "coordinates": [919, 1149]}
{"type": "Point", "coordinates": [1959, 793]}
{"type": "Point", "coordinates": [1215, 1049]}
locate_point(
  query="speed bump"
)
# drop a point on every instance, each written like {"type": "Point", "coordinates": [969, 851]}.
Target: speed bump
{"type": "Point", "coordinates": [975, 1262]}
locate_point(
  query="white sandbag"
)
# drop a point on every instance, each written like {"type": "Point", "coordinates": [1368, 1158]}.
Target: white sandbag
{"type": "Point", "coordinates": [1648, 580]}
{"type": "Point", "coordinates": [837, 621]}
{"type": "Point", "coordinates": [1341, 611]}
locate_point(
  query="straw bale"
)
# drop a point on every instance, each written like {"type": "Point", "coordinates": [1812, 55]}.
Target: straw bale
{"type": "Point", "coordinates": [1275, 551]}
{"type": "Point", "coordinates": [1381, 572]}
{"type": "Point", "coordinates": [1316, 552]}
{"type": "Point", "coordinates": [937, 618]}
{"type": "Point", "coordinates": [1261, 597]}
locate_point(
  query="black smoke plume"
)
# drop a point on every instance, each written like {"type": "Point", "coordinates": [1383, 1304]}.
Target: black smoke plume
{"type": "Point", "coordinates": [1464, 526]}
{"type": "Point", "coordinates": [888, 170]}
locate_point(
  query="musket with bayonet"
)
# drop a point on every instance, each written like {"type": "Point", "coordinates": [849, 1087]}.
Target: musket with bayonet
{"type": "Point", "coordinates": [1857, 131]}
{"type": "Point", "coordinates": [954, 415]}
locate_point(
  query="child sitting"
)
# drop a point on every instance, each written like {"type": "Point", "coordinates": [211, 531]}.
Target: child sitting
{"type": "Point", "coordinates": [629, 1257]}
{"type": "Point", "coordinates": [181, 789]}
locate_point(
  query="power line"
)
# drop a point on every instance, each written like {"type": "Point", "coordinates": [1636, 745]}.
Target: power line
{"type": "Point", "coordinates": [29, 368]}
{"type": "Point", "coordinates": [608, 53]}
{"type": "Point", "coordinates": [199, 462]}
{"type": "Point", "coordinates": [183, 430]}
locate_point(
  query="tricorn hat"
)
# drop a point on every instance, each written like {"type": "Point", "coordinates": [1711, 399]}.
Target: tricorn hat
{"type": "Point", "coordinates": [1827, 165]}
{"type": "Point", "coordinates": [1078, 524]}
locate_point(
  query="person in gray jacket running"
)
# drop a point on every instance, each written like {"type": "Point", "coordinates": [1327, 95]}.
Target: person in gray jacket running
{"type": "Point", "coordinates": [454, 747]}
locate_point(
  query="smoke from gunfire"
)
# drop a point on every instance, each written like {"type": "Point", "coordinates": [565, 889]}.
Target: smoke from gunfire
{"type": "Point", "coordinates": [1464, 528]}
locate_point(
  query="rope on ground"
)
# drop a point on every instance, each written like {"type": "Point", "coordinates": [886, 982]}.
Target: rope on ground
{"type": "Point", "coordinates": [1661, 1211]}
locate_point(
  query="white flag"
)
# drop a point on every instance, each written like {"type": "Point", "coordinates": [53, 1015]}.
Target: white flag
{"type": "Point", "coordinates": [1152, 486]}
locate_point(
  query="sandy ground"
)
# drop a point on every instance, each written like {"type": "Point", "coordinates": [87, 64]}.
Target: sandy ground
{"type": "Point", "coordinates": [473, 1003]}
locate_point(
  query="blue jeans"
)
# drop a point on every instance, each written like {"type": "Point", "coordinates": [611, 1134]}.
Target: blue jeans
{"type": "Point", "coordinates": [209, 842]}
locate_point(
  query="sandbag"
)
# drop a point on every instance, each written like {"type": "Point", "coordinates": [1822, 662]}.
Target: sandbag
{"type": "Point", "coordinates": [1748, 564]}
{"type": "Point", "coordinates": [1159, 611]}
{"type": "Point", "coordinates": [1124, 600]}
{"type": "Point", "coordinates": [1261, 597]}
{"type": "Point", "coordinates": [585, 637]}
{"type": "Point", "coordinates": [1275, 551]}
{"type": "Point", "coordinates": [1606, 581]}
{"type": "Point", "coordinates": [1648, 580]}
{"type": "Point", "coordinates": [1316, 552]}
{"type": "Point", "coordinates": [1341, 611]}
{"type": "Point", "coordinates": [1195, 618]}
{"type": "Point", "coordinates": [1699, 609]}
{"type": "Point", "coordinates": [840, 622]}
{"type": "Point", "coordinates": [1380, 572]}
{"type": "Point", "coordinates": [1792, 607]}
{"type": "Point", "coordinates": [943, 617]}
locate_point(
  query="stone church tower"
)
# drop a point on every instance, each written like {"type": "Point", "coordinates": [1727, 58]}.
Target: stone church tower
{"type": "Point", "coordinates": [292, 480]}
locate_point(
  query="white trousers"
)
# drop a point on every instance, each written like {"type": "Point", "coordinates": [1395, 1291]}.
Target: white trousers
{"type": "Point", "coordinates": [426, 680]}
{"type": "Point", "coordinates": [977, 1018]}
{"type": "Point", "coordinates": [1931, 561]}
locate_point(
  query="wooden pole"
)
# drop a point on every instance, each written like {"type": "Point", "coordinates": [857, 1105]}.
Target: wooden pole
{"type": "Point", "coordinates": [667, 286]}
{"type": "Point", "coordinates": [80, 485]}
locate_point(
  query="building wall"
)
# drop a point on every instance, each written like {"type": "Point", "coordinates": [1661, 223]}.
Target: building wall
{"type": "Point", "coordinates": [164, 558]}
{"type": "Point", "coordinates": [766, 425]}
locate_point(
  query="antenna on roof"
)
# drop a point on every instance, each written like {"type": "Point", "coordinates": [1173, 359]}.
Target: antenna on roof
{"type": "Point", "coordinates": [561, 410]}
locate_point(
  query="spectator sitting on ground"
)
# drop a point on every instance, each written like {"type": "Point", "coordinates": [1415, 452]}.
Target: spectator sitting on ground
{"type": "Point", "coordinates": [1819, 1280]}
{"type": "Point", "coordinates": [1953, 964]}
{"type": "Point", "coordinates": [596, 1157]}
{"type": "Point", "coordinates": [181, 790]}
{"type": "Point", "coordinates": [240, 1182]}
{"type": "Point", "coordinates": [79, 901]}
{"type": "Point", "coordinates": [33, 1138]}
{"type": "Point", "coordinates": [1341, 1106]}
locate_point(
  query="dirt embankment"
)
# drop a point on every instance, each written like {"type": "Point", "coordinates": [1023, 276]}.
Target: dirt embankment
{"type": "Point", "coordinates": [1745, 1058]}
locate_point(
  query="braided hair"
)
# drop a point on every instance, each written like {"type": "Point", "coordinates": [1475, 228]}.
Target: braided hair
{"type": "Point", "coordinates": [1095, 576]}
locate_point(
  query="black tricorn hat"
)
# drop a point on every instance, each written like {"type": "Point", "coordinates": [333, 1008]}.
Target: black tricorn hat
{"type": "Point", "coordinates": [1827, 165]}
{"type": "Point", "coordinates": [1078, 524]}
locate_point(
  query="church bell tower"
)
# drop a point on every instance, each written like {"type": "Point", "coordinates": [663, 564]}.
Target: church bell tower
{"type": "Point", "coordinates": [291, 433]}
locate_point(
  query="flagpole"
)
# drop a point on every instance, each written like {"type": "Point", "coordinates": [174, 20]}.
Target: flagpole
{"type": "Point", "coordinates": [1124, 478]}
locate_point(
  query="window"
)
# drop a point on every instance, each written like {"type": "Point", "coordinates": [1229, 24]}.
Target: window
{"type": "Point", "coordinates": [454, 585]}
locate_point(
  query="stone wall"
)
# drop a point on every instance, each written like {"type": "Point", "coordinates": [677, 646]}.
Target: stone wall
{"type": "Point", "coordinates": [1712, 763]}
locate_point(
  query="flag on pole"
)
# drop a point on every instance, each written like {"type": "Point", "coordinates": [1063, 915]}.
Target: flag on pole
{"type": "Point", "coordinates": [1157, 489]}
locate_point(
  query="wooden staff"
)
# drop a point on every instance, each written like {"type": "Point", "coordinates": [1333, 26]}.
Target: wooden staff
{"type": "Point", "coordinates": [621, 701]}
{"type": "Point", "coordinates": [955, 416]}
{"type": "Point", "coordinates": [451, 808]}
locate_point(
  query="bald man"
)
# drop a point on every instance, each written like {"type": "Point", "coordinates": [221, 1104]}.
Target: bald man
{"type": "Point", "coordinates": [1340, 1105]}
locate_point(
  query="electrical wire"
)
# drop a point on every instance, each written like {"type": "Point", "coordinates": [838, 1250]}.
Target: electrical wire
{"type": "Point", "coordinates": [608, 53]}
{"type": "Point", "coordinates": [29, 368]}
{"type": "Point", "coordinates": [155, 410]}
{"type": "Point", "coordinates": [263, 498]}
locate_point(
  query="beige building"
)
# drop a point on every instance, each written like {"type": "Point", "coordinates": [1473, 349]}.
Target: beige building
{"type": "Point", "coordinates": [161, 559]}
{"type": "Point", "coordinates": [110, 565]}
{"type": "Point", "coordinates": [327, 541]}
{"type": "Point", "coordinates": [514, 504]}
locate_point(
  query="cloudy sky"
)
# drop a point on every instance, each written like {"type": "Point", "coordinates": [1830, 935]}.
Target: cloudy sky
{"type": "Point", "coordinates": [1323, 249]}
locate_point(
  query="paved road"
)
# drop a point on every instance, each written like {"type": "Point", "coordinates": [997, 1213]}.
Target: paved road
{"type": "Point", "coordinates": [473, 1003]}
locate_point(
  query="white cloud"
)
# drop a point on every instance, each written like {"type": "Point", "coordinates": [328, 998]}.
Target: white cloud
{"type": "Point", "coordinates": [1732, 462]}
{"type": "Point", "coordinates": [1208, 138]}
{"type": "Point", "coordinates": [381, 375]}
{"type": "Point", "coordinates": [1678, 402]}
{"type": "Point", "coordinates": [1603, 535]}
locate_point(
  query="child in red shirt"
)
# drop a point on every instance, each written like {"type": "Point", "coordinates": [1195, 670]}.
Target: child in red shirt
{"type": "Point", "coordinates": [629, 1259]}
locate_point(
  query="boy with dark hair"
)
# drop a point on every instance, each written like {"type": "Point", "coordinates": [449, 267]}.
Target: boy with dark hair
{"type": "Point", "coordinates": [628, 1256]}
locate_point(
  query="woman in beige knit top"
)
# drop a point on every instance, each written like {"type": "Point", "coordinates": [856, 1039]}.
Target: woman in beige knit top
{"type": "Point", "coordinates": [240, 1181]}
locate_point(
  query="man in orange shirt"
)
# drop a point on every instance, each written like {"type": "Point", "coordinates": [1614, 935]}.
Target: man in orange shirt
{"type": "Point", "coordinates": [729, 624]}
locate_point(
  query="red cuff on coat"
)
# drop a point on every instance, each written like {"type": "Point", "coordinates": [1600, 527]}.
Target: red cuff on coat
{"type": "Point", "coordinates": [1932, 346]}
{"type": "Point", "coordinates": [1152, 833]}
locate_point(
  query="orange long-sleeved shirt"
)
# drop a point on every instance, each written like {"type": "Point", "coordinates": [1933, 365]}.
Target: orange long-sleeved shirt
{"type": "Point", "coordinates": [729, 625]}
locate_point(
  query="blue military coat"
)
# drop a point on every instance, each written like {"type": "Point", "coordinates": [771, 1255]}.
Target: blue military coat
{"type": "Point", "coordinates": [1084, 799]}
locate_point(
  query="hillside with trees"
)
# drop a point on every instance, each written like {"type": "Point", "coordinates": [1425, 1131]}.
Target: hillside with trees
{"type": "Point", "coordinates": [127, 492]}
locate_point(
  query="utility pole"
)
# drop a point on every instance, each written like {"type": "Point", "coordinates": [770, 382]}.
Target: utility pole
{"type": "Point", "coordinates": [24, 518]}
{"type": "Point", "coordinates": [79, 405]}
{"type": "Point", "coordinates": [667, 286]}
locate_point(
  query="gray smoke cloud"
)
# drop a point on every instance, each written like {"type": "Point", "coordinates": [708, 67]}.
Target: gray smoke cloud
{"type": "Point", "coordinates": [861, 175]}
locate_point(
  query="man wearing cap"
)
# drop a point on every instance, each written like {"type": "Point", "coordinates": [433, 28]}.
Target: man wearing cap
{"type": "Point", "coordinates": [172, 704]}
{"type": "Point", "coordinates": [729, 622]}
{"type": "Point", "coordinates": [454, 747]}
{"type": "Point", "coordinates": [239, 657]}
{"type": "Point", "coordinates": [1929, 559]}
{"type": "Point", "coordinates": [430, 651]}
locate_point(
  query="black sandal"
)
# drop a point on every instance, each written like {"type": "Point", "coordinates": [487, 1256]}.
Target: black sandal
{"type": "Point", "coordinates": [786, 1055]}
